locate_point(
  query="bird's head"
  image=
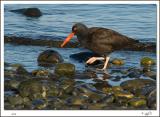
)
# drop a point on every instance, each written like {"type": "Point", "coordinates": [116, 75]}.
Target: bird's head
{"type": "Point", "coordinates": [77, 29]}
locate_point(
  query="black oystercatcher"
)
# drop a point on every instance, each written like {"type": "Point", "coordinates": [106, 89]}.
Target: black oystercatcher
{"type": "Point", "coordinates": [99, 40]}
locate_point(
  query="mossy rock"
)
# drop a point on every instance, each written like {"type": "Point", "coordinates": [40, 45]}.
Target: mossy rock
{"type": "Point", "coordinates": [147, 61]}
{"type": "Point", "coordinates": [123, 94]}
{"type": "Point", "coordinates": [40, 73]}
{"type": "Point", "coordinates": [15, 100]}
{"type": "Point", "coordinates": [137, 102]}
{"type": "Point", "coordinates": [110, 90]}
{"type": "Point", "coordinates": [65, 69]}
{"type": "Point", "coordinates": [117, 61]}
{"type": "Point", "coordinates": [49, 58]}
{"type": "Point", "coordinates": [137, 84]}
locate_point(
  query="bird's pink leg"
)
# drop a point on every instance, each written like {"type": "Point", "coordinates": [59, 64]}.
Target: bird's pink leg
{"type": "Point", "coordinates": [106, 63]}
{"type": "Point", "coordinates": [93, 59]}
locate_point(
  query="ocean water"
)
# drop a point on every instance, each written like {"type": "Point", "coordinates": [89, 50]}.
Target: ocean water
{"type": "Point", "coordinates": [134, 20]}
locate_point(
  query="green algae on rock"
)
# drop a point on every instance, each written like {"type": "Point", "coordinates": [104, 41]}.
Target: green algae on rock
{"type": "Point", "coordinates": [147, 61]}
{"type": "Point", "coordinates": [65, 69]}
{"type": "Point", "coordinates": [137, 102]}
{"type": "Point", "coordinates": [117, 61]}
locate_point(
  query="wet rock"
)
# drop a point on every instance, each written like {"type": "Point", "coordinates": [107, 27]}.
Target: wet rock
{"type": "Point", "coordinates": [117, 61]}
{"type": "Point", "coordinates": [65, 69]}
{"type": "Point", "coordinates": [151, 99]}
{"type": "Point", "coordinates": [33, 89]}
{"type": "Point", "coordinates": [147, 61]}
{"type": "Point", "coordinates": [49, 58]}
{"type": "Point", "coordinates": [123, 94]}
{"type": "Point", "coordinates": [38, 42]}
{"type": "Point", "coordinates": [8, 106]}
{"type": "Point", "coordinates": [29, 12]}
{"type": "Point", "coordinates": [151, 74]}
{"type": "Point", "coordinates": [107, 99]}
{"type": "Point", "coordinates": [135, 73]}
{"type": "Point", "coordinates": [83, 56]}
{"type": "Point", "coordinates": [111, 90]}
{"type": "Point", "coordinates": [40, 73]}
{"type": "Point", "coordinates": [39, 104]}
{"type": "Point", "coordinates": [136, 85]}
{"type": "Point", "coordinates": [85, 75]}
{"type": "Point", "coordinates": [80, 100]}
{"type": "Point", "coordinates": [15, 100]}
{"type": "Point", "coordinates": [55, 103]}
{"type": "Point", "coordinates": [18, 69]}
{"type": "Point", "coordinates": [11, 84]}
{"type": "Point", "coordinates": [137, 102]}
{"type": "Point", "coordinates": [66, 86]}
{"type": "Point", "coordinates": [97, 106]}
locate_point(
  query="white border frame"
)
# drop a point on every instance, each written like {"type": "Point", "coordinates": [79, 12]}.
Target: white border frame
{"type": "Point", "coordinates": [75, 112]}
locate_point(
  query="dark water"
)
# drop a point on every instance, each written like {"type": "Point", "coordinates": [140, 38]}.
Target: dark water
{"type": "Point", "coordinates": [136, 21]}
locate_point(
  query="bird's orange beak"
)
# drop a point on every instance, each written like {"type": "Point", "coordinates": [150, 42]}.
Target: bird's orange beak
{"type": "Point", "coordinates": [67, 39]}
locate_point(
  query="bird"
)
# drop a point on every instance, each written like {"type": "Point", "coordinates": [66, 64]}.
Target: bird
{"type": "Point", "coordinates": [101, 41]}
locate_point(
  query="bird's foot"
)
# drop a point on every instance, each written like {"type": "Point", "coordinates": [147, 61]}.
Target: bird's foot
{"type": "Point", "coordinates": [93, 59]}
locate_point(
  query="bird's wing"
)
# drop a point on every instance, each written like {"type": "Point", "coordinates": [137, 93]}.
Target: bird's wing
{"type": "Point", "coordinates": [107, 39]}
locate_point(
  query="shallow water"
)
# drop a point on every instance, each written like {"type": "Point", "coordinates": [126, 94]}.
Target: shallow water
{"type": "Point", "coordinates": [137, 21]}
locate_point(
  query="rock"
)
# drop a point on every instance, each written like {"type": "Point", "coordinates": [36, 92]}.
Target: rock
{"type": "Point", "coordinates": [80, 100]}
{"type": "Point", "coordinates": [18, 69]}
{"type": "Point", "coordinates": [11, 84]}
{"type": "Point", "coordinates": [29, 12]}
{"type": "Point", "coordinates": [137, 102]}
{"type": "Point", "coordinates": [151, 74]}
{"type": "Point", "coordinates": [111, 90]}
{"type": "Point", "coordinates": [65, 69]}
{"type": "Point", "coordinates": [96, 106]}
{"type": "Point", "coordinates": [40, 73]}
{"type": "Point", "coordinates": [136, 73]}
{"type": "Point", "coordinates": [66, 86]}
{"type": "Point", "coordinates": [38, 42]}
{"type": "Point", "coordinates": [82, 56]}
{"type": "Point", "coordinates": [151, 99]}
{"type": "Point", "coordinates": [107, 99]}
{"type": "Point", "coordinates": [117, 61]}
{"type": "Point", "coordinates": [39, 104]}
{"type": "Point", "coordinates": [123, 94]}
{"type": "Point", "coordinates": [147, 61]}
{"type": "Point", "coordinates": [15, 100]}
{"type": "Point", "coordinates": [36, 88]}
{"type": "Point", "coordinates": [136, 85]}
{"type": "Point", "coordinates": [49, 58]}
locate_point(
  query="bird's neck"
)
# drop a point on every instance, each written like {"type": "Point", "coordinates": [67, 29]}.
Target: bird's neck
{"type": "Point", "coordinates": [83, 38]}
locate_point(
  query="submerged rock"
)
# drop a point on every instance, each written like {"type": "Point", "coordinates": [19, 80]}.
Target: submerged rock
{"type": "Point", "coordinates": [49, 58]}
{"type": "Point", "coordinates": [65, 69]}
{"type": "Point", "coordinates": [29, 12]}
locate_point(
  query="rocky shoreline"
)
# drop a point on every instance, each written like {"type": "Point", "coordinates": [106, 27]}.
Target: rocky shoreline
{"type": "Point", "coordinates": [148, 47]}
{"type": "Point", "coordinates": [61, 87]}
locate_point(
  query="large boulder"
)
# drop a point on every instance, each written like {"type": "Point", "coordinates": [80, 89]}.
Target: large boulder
{"type": "Point", "coordinates": [29, 12]}
{"type": "Point", "coordinates": [49, 58]}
